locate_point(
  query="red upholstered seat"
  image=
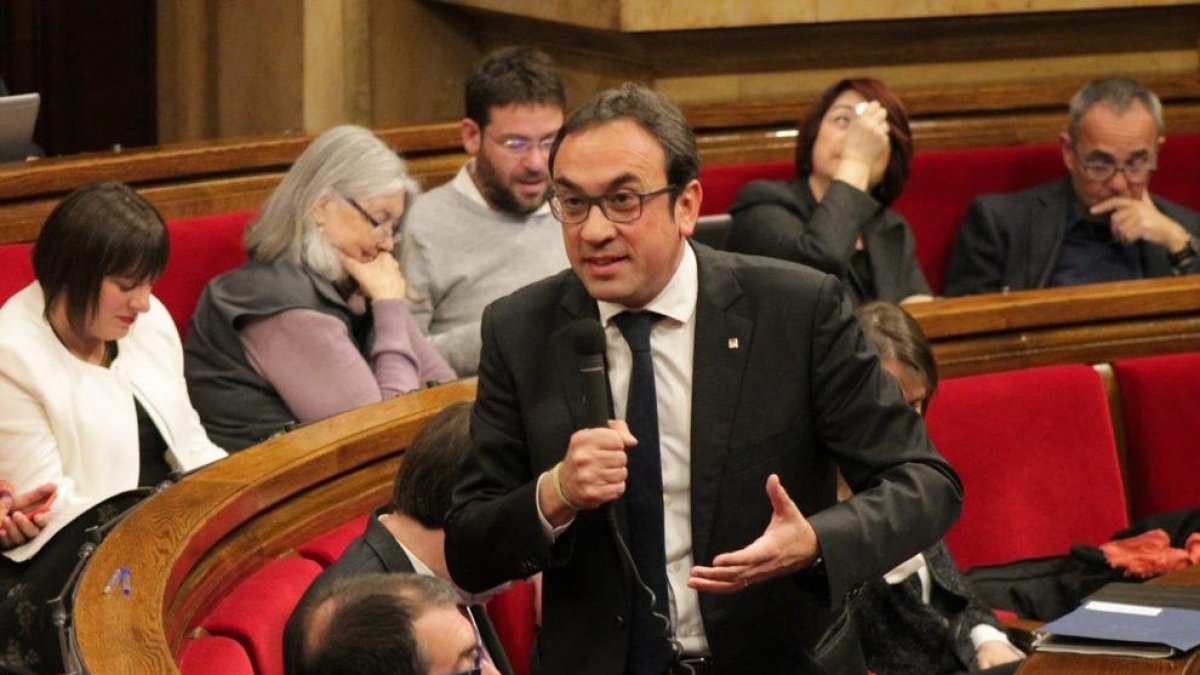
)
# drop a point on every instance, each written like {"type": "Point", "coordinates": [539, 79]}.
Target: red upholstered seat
{"type": "Point", "coordinates": [1160, 397]}
{"type": "Point", "coordinates": [255, 612]}
{"type": "Point", "coordinates": [1038, 462]}
{"type": "Point", "coordinates": [514, 614]}
{"type": "Point", "coordinates": [943, 183]}
{"type": "Point", "coordinates": [722, 182]}
{"type": "Point", "coordinates": [201, 248]}
{"type": "Point", "coordinates": [326, 548]}
{"type": "Point", "coordinates": [16, 269]}
{"type": "Point", "coordinates": [214, 654]}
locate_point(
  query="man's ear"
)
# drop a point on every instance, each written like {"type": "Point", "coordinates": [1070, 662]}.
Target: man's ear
{"type": "Point", "coordinates": [687, 207]}
{"type": "Point", "coordinates": [1068, 151]}
{"type": "Point", "coordinates": [472, 136]}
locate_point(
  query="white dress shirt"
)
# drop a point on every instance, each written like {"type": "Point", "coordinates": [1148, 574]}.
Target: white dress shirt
{"type": "Point", "coordinates": [672, 342]}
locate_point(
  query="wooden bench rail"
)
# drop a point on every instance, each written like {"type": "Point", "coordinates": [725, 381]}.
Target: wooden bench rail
{"type": "Point", "coordinates": [1083, 324]}
{"type": "Point", "coordinates": [221, 176]}
{"type": "Point", "coordinates": [187, 546]}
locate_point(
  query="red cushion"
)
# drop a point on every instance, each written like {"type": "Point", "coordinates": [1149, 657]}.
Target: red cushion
{"type": "Point", "coordinates": [1038, 462]}
{"type": "Point", "coordinates": [201, 248]}
{"type": "Point", "coordinates": [255, 611]}
{"type": "Point", "coordinates": [721, 183]}
{"type": "Point", "coordinates": [214, 655]}
{"type": "Point", "coordinates": [514, 614]}
{"type": "Point", "coordinates": [326, 548]}
{"type": "Point", "coordinates": [1160, 397]}
{"type": "Point", "coordinates": [1178, 174]}
{"type": "Point", "coordinates": [16, 269]}
{"type": "Point", "coordinates": [942, 184]}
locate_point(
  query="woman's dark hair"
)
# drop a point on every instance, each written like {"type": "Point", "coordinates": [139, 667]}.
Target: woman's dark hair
{"type": "Point", "coordinates": [896, 173]}
{"type": "Point", "coordinates": [99, 230]}
{"type": "Point", "coordinates": [896, 335]}
{"type": "Point", "coordinates": [429, 471]}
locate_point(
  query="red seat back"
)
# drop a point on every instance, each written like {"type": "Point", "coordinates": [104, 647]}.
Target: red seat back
{"type": "Point", "coordinates": [256, 610]}
{"type": "Point", "coordinates": [16, 269]}
{"type": "Point", "coordinates": [1038, 462]}
{"type": "Point", "coordinates": [214, 654]}
{"type": "Point", "coordinates": [1160, 397]}
{"type": "Point", "coordinates": [514, 614]}
{"type": "Point", "coordinates": [326, 548]}
{"type": "Point", "coordinates": [201, 248]}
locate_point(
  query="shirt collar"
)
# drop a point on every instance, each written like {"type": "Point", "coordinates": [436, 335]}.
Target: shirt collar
{"type": "Point", "coordinates": [676, 301]}
{"type": "Point", "coordinates": [465, 185]}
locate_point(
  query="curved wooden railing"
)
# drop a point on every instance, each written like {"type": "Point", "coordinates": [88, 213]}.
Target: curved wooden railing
{"type": "Point", "coordinates": [188, 545]}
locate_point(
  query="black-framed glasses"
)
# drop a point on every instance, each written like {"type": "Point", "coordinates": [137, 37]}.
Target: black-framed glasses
{"type": "Point", "coordinates": [521, 146]}
{"type": "Point", "coordinates": [480, 653]}
{"type": "Point", "coordinates": [622, 206]}
{"type": "Point", "coordinates": [1136, 171]}
{"type": "Point", "coordinates": [381, 228]}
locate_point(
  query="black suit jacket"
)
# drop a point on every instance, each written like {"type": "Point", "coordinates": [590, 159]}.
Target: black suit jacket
{"type": "Point", "coordinates": [1013, 240]}
{"type": "Point", "coordinates": [376, 551]}
{"type": "Point", "coordinates": [784, 220]}
{"type": "Point", "coordinates": [783, 383]}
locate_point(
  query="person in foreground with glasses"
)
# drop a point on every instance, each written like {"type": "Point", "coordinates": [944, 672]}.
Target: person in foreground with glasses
{"type": "Point", "coordinates": [1100, 223]}
{"type": "Point", "coordinates": [392, 624]}
{"type": "Point", "coordinates": [317, 321]}
{"type": "Point", "coordinates": [488, 231]}
{"type": "Point", "coordinates": [406, 535]}
{"type": "Point", "coordinates": [692, 526]}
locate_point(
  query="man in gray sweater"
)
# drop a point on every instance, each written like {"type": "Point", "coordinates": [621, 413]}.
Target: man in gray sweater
{"type": "Point", "coordinates": [488, 231]}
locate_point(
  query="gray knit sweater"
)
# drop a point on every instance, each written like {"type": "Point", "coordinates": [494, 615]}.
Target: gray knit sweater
{"type": "Point", "coordinates": [458, 255]}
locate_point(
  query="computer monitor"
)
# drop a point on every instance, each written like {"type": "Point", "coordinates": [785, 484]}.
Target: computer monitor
{"type": "Point", "coordinates": [18, 114]}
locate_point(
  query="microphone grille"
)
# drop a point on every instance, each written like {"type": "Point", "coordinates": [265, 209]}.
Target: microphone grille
{"type": "Point", "coordinates": [588, 336]}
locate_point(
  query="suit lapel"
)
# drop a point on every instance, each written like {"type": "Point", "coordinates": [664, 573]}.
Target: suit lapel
{"type": "Point", "coordinates": [1046, 232]}
{"type": "Point", "coordinates": [576, 304]}
{"type": "Point", "coordinates": [721, 352]}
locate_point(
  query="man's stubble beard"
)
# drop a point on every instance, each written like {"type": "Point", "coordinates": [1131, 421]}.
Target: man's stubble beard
{"type": "Point", "coordinates": [501, 196]}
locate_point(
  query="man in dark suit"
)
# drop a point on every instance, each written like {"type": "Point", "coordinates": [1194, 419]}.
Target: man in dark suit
{"type": "Point", "coordinates": [405, 536]}
{"type": "Point", "coordinates": [1100, 223]}
{"type": "Point", "coordinates": [761, 384]}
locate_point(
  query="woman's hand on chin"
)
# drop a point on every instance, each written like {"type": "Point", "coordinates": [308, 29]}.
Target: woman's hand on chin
{"type": "Point", "coordinates": [379, 278]}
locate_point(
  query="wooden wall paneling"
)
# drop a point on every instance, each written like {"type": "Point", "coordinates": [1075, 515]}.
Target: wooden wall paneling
{"type": "Point", "coordinates": [419, 58]}
{"type": "Point", "coordinates": [187, 71]}
{"type": "Point", "coordinates": [260, 67]}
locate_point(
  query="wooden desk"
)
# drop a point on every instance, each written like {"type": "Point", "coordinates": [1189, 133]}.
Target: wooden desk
{"type": "Point", "coordinates": [1067, 664]}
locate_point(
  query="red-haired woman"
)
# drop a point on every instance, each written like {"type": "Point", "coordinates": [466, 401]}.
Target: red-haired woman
{"type": "Point", "coordinates": [852, 158]}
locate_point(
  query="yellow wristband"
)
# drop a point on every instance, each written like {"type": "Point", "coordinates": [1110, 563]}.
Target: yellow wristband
{"type": "Point", "coordinates": [558, 488]}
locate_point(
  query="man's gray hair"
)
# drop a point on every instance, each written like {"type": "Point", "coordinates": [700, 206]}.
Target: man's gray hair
{"type": "Point", "coordinates": [1117, 92]}
{"type": "Point", "coordinates": [346, 160]}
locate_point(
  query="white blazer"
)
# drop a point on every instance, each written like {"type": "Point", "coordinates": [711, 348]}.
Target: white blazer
{"type": "Point", "coordinates": [73, 423]}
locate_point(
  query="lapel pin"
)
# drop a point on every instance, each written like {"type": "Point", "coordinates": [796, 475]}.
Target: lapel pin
{"type": "Point", "coordinates": [733, 343]}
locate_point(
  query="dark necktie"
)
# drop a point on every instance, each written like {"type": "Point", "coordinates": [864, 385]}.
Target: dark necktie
{"type": "Point", "coordinates": [650, 647]}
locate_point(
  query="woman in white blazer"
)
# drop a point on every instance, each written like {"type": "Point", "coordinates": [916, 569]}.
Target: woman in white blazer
{"type": "Point", "coordinates": [92, 397]}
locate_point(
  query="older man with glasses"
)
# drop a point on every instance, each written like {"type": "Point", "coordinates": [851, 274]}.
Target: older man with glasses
{"type": "Point", "coordinates": [488, 231]}
{"type": "Point", "coordinates": [1100, 223]}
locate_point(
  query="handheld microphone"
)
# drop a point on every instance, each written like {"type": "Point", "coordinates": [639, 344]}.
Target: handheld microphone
{"type": "Point", "coordinates": [589, 346]}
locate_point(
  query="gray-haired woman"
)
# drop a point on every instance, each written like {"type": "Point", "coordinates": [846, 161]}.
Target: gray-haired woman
{"type": "Point", "coordinates": [316, 322]}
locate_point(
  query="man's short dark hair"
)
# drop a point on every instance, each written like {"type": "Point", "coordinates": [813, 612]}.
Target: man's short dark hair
{"type": "Point", "coordinates": [899, 133]}
{"type": "Point", "coordinates": [364, 625]}
{"type": "Point", "coordinates": [655, 113]}
{"type": "Point", "coordinates": [101, 229]}
{"type": "Point", "coordinates": [429, 470]}
{"type": "Point", "coordinates": [520, 75]}
{"type": "Point", "coordinates": [897, 335]}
